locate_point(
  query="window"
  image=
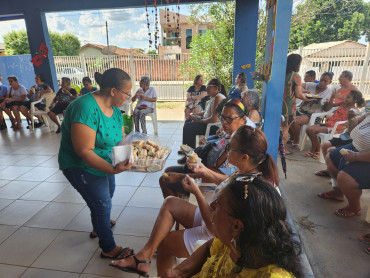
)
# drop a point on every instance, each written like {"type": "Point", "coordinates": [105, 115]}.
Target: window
{"type": "Point", "coordinates": [189, 37]}
{"type": "Point", "coordinates": [201, 32]}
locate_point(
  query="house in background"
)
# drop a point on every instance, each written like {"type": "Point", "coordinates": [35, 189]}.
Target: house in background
{"type": "Point", "coordinates": [2, 50]}
{"type": "Point", "coordinates": [169, 41]}
{"type": "Point", "coordinates": [92, 49]}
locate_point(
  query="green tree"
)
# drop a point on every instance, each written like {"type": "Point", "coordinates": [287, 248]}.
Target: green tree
{"type": "Point", "coordinates": [318, 21]}
{"type": "Point", "coordinates": [16, 43]}
{"type": "Point", "coordinates": [212, 52]}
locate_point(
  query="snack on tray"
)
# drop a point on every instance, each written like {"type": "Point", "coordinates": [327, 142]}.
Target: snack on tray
{"type": "Point", "coordinates": [147, 154]}
{"type": "Point", "coordinates": [344, 151]}
{"type": "Point", "coordinates": [185, 148]}
{"type": "Point", "coordinates": [193, 158]}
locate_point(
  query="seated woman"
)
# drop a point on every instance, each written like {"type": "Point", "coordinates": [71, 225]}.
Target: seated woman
{"type": "Point", "coordinates": [197, 122]}
{"type": "Point", "coordinates": [239, 87]}
{"type": "Point", "coordinates": [147, 97]}
{"type": "Point", "coordinates": [232, 117]}
{"type": "Point", "coordinates": [16, 96]}
{"type": "Point", "coordinates": [252, 236]}
{"type": "Point", "coordinates": [196, 95]}
{"type": "Point", "coordinates": [34, 94]}
{"type": "Point", "coordinates": [350, 170]}
{"type": "Point", "coordinates": [87, 88]}
{"type": "Point", "coordinates": [63, 98]}
{"type": "Point", "coordinates": [247, 152]}
{"type": "Point", "coordinates": [252, 99]}
{"type": "Point", "coordinates": [354, 97]}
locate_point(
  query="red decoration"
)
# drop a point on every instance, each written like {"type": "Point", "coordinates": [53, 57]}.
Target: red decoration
{"type": "Point", "coordinates": [38, 59]}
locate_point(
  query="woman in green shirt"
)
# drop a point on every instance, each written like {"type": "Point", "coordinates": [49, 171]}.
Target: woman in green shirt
{"type": "Point", "coordinates": [92, 126]}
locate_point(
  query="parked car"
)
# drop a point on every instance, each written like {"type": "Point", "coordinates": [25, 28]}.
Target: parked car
{"type": "Point", "coordinates": [75, 74]}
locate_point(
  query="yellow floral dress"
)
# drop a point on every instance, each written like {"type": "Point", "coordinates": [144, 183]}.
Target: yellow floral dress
{"type": "Point", "coordinates": [221, 265]}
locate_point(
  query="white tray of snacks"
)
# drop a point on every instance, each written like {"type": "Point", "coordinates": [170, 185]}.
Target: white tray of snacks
{"type": "Point", "coordinates": [149, 153]}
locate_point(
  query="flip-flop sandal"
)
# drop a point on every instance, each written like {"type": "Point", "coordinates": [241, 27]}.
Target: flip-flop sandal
{"type": "Point", "coordinates": [94, 235]}
{"type": "Point", "coordinates": [367, 250]}
{"type": "Point", "coordinates": [120, 251]}
{"type": "Point", "coordinates": [322, 173]}
{"type": "Point", "coordinates": [316, 155]}
{"type": "Point", "coordinates": [308, 154]}
{"type": "Point", "coordinates": [134, 270]}
{"type": "Point", "coordinates": [329, 196]}
{"type": "Point", "coordinates": [365, 238]}
{"type": "Point", "coordinates": [347, 213]}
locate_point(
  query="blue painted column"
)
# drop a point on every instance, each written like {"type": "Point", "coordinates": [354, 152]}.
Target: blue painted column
{"type": "Point", "coordinates": [37, 32]}
{"type": "Point", "coordinates": [275, 88]}
{"type": "Point", "coordinates": [245, 37]}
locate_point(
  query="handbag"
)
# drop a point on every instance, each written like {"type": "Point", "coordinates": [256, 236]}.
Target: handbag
{"type": "Point", "coordinates": [203, 151]}
{"type": "Point", "coordinates": [141, 107]}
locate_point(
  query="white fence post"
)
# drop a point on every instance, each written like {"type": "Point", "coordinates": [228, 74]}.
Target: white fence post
{"type": "Point", "coordinates": [133, 76]}
{"type": "Point", "coordinates": [364, 70]}
{"type": "Point", "coordinates": [83, 63]}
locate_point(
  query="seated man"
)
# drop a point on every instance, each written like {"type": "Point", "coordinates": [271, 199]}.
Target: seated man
{"type": "Point", "coordinates": [350, 169]}
{"type": "Point", "coordinates": [16, 96]}
{"type": "Point", "coordinates": [3, 93]}
{"type": "Point", "coordinates": [147, 97]}
{"type": "Point", "coordinates": [63, 98]}
{"type": "Point", "coordinates": [34, 94]}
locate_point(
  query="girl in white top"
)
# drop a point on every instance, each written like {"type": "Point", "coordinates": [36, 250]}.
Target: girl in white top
{"type": "Point", "coordinates": [197, 123]}
{"type": "Point", "coordinates": [307, 108]}
{"type": "Point", "coordinates": [247, 151]}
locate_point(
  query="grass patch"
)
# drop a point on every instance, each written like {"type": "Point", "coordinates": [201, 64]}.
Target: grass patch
{"type": "Point", "coordinates": [170, 105]}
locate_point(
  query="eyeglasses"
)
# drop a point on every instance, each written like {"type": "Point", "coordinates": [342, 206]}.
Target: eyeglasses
{"type": "Point", "coordinates": [211, 86]}
{"type": "Point", "coordinates": [228, 120]}
{"type": "Point", "coordinates": [229, 149]}
{"type": "Point", "coordinates": [127, 94]}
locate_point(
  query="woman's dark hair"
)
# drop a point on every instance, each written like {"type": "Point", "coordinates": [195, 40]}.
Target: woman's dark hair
{"type": "Point", "coordinates": [86, 79]}
{"type": "Point", "coordinates": [243, 79]}
{"type": "Point", "coordinates": [266, 237]}
{"type": "Point", "coordinates": [235, 103]}
{"type": "Point", "coordinates": [12, 77]}
{"type": "Point", "coordinates": [196, 79]}
{"type": "Point", "coordinates": [221, 88]}
{"type": "Point", "coordinates": [311, 73]}
{"type": "Point", "coordinates": [111, 78]}
{"type": "Point", "coordinates": [357, 97]}
{"type": "Point", "coordinates": [41, 76]}
{"type": "Point", "coordinates": [293, 63]}
{"type": "Point", "coordinates": [328, 74]}
{"type": "Point", "coordinates": [252, 141]}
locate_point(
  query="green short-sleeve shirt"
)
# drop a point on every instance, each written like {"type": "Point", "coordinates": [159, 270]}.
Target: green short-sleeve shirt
{"type": "Point", "coordinates": [86, 110]}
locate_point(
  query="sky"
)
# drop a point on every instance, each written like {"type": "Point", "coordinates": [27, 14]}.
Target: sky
{"type": "Point", "coordinates": [127, 28]}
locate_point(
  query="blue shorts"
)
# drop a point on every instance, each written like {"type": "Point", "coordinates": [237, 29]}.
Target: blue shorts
{"type": "Point", "coordinates": [360, 171]}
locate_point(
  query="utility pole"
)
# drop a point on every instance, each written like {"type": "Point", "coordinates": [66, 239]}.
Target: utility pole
{"type": "Point", "coordinates": [106, 30]}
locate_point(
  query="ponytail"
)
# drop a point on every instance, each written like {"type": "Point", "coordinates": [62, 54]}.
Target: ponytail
{"type": "Point", "coordinates": [269, 170]}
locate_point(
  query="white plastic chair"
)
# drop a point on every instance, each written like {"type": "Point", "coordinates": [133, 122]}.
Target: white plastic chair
{"type": "Point", "coordinates": [327, 136]}
{"type": "Point", "coordinates": [302, 134]}
{"type": "Point", "coordinates": [208, 130]}
{"type": "Point", "coordinates": [44, 114]}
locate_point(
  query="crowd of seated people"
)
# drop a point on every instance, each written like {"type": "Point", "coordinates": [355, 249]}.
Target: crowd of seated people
{"type": "Point", "coordinates": [17, 99]}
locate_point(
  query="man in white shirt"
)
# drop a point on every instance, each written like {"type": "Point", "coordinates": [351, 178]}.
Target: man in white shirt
{"type": "Point", "coordinates": [147, 97]}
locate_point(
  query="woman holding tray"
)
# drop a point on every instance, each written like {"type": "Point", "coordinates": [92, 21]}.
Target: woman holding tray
{"type": "Point", "coordinates": [92, 126]}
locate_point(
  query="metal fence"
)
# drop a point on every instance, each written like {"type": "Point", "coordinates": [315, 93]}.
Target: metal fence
{"type": "Point", "coordinates": [163, 71]}
{"type": "Point", "coordinates": [337, 60]}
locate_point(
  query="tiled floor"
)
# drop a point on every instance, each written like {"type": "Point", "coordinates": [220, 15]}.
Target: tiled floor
{"type": "Point", "coordinates": [45, 224]}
